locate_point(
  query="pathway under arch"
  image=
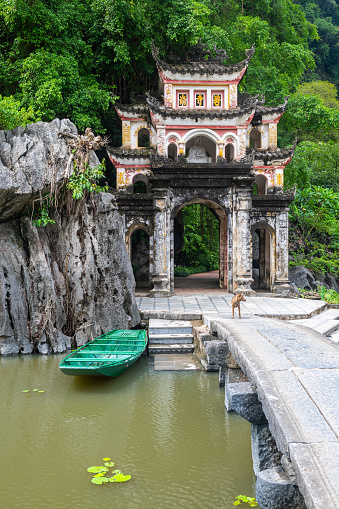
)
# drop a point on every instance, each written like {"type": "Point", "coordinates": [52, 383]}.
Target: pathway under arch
{"type": "Point", "coordinates": [213, 280]}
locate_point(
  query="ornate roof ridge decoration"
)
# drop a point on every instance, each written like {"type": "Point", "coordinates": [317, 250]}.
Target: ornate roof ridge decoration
{"type": "Point", "coordinates": [156, 107]}
{"type": "Point", "coordinates": [138, 153]}
{"type": "Point", "coordinates": [202, 61]}
{"type": "Point", "coordinates": [137, 108]}
{"type": "Point", "coordinates": [267, 155]}
{"type": "Point", "coordinates": [157, 161]}
{"type": "Point", "coordinates": [266, 110]}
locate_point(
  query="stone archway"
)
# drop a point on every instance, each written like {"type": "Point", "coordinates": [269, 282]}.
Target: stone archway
{"type": "Point", "coordinates": [262, 257]}
{"type": "Point", "coordinates": [222, 216]}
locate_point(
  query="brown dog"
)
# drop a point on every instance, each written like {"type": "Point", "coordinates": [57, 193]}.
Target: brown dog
{"type": "Point", "coordinates": [236, 303]}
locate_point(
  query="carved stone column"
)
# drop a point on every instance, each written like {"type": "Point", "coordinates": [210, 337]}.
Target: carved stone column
{"type": "Point", "coordinates": [160, 278]}
{"type": "Point", "coordinates": [281, 283]}
{"type": "Point", "coordinates": [242, 242]}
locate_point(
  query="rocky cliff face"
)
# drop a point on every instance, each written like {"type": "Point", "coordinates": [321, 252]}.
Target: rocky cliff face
{"type": "Point", "coordinates": [70, 281]}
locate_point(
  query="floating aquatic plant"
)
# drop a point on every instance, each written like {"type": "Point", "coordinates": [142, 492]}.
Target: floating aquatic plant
{"type": "Point", "coordinates": [247, 500]}
{"type": "Point", "coordinates": [26, 390]}
{"type": "Point", "coordinates": [96, 470]}
{"type": "Point", "coordinates": [99, 472]}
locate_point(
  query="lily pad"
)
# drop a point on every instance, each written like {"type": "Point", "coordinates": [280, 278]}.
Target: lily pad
{"type": "Point", "coordinates": [96, 470]}
{"type": "Point", "coordinates": [96, 480]}
{"type": "Point", "coordinates": [41, 391]}
{"type": "Point", "coordinates": [109, 464]}
{"type": "Point", "coordinates": [100, 474]}
{"type": "Point", "coordinates": [106, 459]}
{"type": "Point", "coordinates": [120, 478]}
{"type": "Point", "coordinates": [34, 390]}
{"type": "Point", "coordinates": [26, 390]}
{"type": "Point", "coordinates": [104, 479]}
{"type": "Point", "coordinates": [116, 472]}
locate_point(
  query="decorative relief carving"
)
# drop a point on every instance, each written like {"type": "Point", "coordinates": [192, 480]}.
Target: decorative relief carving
{"type": "Point", "coordinates": [120, 178]}
{"type": "Point", "coordinates": [168, 95]}
{"type": "Point", "coordinates": [272, 139]}
{"type": "Point", "coordinates": [126, 133]}
{"type": "Point", "coordinates": [242, 144]}
{"type": "Point", "coordinates": [233, 96]}
{"type": "Point", "coordinates": [161, 141]}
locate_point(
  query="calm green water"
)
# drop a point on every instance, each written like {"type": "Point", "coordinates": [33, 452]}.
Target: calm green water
{"type": "Point", "coordinates": [169, 430]}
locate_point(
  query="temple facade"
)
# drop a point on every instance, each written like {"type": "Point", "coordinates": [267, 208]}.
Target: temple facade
{"type": "Point", "coordinates": [199, 140]}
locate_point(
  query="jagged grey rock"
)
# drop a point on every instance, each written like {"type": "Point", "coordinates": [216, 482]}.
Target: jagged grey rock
{"type": "Point", "coordinates": [273, 490]}
{"type": "Point", "coordinates": [265, 453]}
{"type": "Point", "coordinates": [243, 399]}
{"type": "Point", "coordinates": [302, 278]}
{"type": "Point", "coordinates": [31, 160]}
{"type": "Point", "coordinates": [70, 279]}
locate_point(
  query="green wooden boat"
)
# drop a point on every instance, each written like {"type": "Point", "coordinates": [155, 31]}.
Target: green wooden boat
{"type": "Point", "coordinates": [108, 355]}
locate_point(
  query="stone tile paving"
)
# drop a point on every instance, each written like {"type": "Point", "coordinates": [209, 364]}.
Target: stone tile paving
{"type": "Point", "coordinates": [325, 323]}
{"type": "Point", "coordinates": [296, 373]}
{"type": "Point", "coordinates": [221, 304]}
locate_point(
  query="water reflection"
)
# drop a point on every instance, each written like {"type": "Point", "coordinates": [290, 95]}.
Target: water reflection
{"type": "Point", "coordinates": [169, 430]}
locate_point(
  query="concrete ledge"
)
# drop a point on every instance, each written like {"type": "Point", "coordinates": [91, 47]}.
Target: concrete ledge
{"type": "Point", "coordinates": [243, 399]}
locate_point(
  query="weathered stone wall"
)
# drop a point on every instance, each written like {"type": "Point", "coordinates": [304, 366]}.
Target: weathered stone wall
{"type": "Point", "coordinates": [71, 280]}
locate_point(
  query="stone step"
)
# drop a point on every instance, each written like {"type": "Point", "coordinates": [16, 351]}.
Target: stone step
{"type": "Point", "coordinates": [175, 348]}
{"type": "Point", "coordinates": [158, 326]}
{"type": "Point", "coordinates": [326, 322]}
{"type": "Point", "coordinates": [169, 339]}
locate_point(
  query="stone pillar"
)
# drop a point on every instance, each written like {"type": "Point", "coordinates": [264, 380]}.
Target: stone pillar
{"type": "Point", "coordinates": [281, 284]}
{"type": "Point", "coordinates": [161, 269]}
{"type": "Point", "coordinates": [221, 148]}
{"type": "Point", "coordinates": [242, 242]}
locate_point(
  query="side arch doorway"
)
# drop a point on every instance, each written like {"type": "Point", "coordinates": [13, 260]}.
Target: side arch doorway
{"type": "Point", "coordinates": [262, 245]}
{"type": "Point", "coordinates": [199, 243]}
{"type": "Point", "coordinates": [139, 245]}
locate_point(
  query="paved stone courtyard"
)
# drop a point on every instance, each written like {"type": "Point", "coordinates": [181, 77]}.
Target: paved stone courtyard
{"type": "Point", "coordinates": [221, 304]}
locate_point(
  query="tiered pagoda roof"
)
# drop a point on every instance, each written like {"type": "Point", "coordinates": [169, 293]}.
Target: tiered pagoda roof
{"type": "Point", "coordinates": [202, 62]}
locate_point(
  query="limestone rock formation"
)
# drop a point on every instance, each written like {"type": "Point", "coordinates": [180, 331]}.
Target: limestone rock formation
{"type": "Point", "coordinates": [70, 281]}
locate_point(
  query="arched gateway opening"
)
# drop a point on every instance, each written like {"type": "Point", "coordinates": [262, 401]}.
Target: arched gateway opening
{"type": "Point", "coordinates": [200, 244]}
{"type": "Point", "coordinates": [261, 259]}
{"type": "Point", "coordinates": [139, 252]}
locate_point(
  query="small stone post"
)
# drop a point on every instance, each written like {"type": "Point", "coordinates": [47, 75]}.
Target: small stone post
{"type": "Point", "coordinates": [160, 278]}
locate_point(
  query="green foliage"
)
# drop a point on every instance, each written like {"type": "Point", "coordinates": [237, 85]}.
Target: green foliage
{"type": "Point", "coordinates": [42, 217]}
{"type": "Point", "coordinates": [201, 233]}
{"type": "Point", "coordinates": [314, 230]}
{"type": "Point", "coordinates": [12, 115]}
{"type": "Point", "coordinates": [306, 117]}
{"type": "Point", "coordinates": [323, 89]}
{"type": "Point", "coordinates": [328, 294]}
{"type": "Point", "coordinates": [87, 180]}
{"type": "Point", "coordinates": [314, 163]}
{"type": "Point", "coordinates": [188, 271]}
{"type": "Point", "coordinates": [246, 500]}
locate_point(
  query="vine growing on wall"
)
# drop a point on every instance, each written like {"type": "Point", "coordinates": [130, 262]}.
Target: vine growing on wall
{"type": "Point", "coordinates": [82, 181]}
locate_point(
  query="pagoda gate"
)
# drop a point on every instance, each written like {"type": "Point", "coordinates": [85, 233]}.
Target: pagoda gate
{"type": "Point", "coordinates": [201, 141]}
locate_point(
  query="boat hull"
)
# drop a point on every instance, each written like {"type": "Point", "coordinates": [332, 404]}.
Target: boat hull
{"type": "Point", "coordinates": [108, 355]}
